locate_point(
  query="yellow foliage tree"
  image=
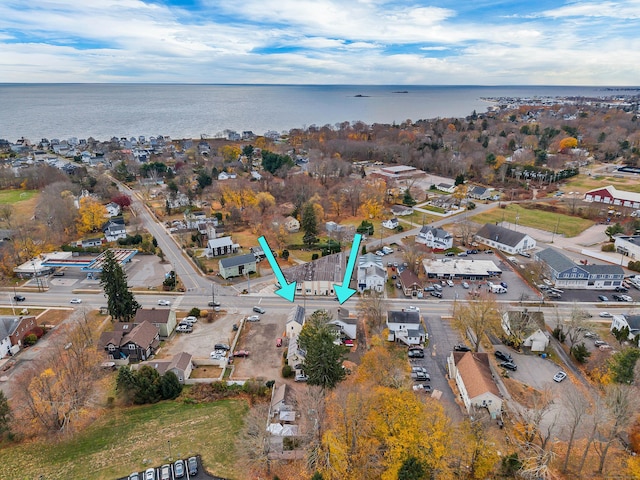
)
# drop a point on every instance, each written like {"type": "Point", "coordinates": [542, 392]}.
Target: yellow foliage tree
{"type": "Point", "coordinates": [265, 201]}
{"type": "Point", "coordinates": [92, 215]}
{"type": "Point", "coordinates": [230, 153]}
{"type": "Point", "coordinates": [568, 143]}
{"type": "Point", "coordinates": [372, 208]}
{"type": "Point", "coordinates": [500, 159]}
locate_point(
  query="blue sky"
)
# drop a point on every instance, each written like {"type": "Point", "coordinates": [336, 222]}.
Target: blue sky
{"type": "Point", "coordinates": [466, 42]}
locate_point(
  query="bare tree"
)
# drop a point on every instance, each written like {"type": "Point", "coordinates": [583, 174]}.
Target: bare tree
{"type": "Point", "coordinates": [372, 306]}
{"type": "Point", "coordinates": [576, 405]}
{"type": "Point", "coordinates": [253, 443]}
{"type": "Point", "coordinates": [477, 317]}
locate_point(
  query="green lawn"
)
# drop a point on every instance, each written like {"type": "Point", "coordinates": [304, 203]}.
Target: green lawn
{"type": "Point", "coordinates": [566, 225]}
{"type": "Point", "coordinates": [126, 440]}
{"type": "Point", "coordinates": [15, 196]}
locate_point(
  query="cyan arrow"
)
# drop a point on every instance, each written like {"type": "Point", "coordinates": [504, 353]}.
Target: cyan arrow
{"type": "Point", "coordinates": [343, 291]}
{"type": "Point", "coordinates": [287, 290]}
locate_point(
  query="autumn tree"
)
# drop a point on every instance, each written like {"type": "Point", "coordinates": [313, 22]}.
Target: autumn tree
{"type": "Point", "coordinates": [122, 199]}
{"type": "Point", "coordinates": [577, 407]}
{"type": "Point", "coordinates": [478, 317]}
{"type": "Point", "coordinates": [323, 361]}
{"type": "Point", "coordinates": [253, 443]}
{"type": "Point", "coordinates": [121, 302]}
{"type": "Point", "coordinates": [372, 307]}
{"type": "Point", "coordinates": [92, 215]}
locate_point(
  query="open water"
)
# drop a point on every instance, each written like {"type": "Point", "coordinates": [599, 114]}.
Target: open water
{"type": "Point", "coordinates": [102, 111]}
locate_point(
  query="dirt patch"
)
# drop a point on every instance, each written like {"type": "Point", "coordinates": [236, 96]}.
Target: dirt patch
{"type": "Point", "coordinates": [52, 317]}
{"type": "Point", "coordinates": [523, 394]}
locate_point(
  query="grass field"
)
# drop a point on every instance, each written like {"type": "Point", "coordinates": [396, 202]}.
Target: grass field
{"type": "Point", "coordinates": [126, 440]}
{"type": "Point", "coordinates": [15, 196]}
{"type": "Point", "coordinates": [566, 225]}
{"type": "Point", "coordinates": [584, 183]}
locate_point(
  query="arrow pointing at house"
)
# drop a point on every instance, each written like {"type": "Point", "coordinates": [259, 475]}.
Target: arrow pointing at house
{"type": "Point", "coordinates": [343, 291]}
{"type": "Point", "coordinates": [287, 290]}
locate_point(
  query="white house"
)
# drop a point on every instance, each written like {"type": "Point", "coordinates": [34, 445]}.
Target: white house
{"type": "Point", "coordinates": [504, 239]}
{"type": "Point", "coordinates": [406, 326]}
{"type": "Point", "coordinates": [446, 187]}
{"type": "Point", "coordinates": [472, 374]}
{"type": "Point", "coordinates": [401, 210]}
{"type": "Point", "coordinates": [391, 224]}
{"type": "Point", "coordinates": [525, 328]}
{"type": "Point", "coordinates": [113, 209]}
{"type": "Point", "coordinates": [291, 224]}
{"type": "Point", "coordinates": [226, 176]}
{"type": "Point", "coordinates": [346, 326]}
{"type": "Point", "coordinates": [630, 321]}
{"type": "Point", "coordinates": [371, 273]}
{"type": "Point", "coordinates": [114, 230]}
{"type": "Point", "coordinates": [435, 238]}
{"type": "Point", "coordinates": [217, 247]}
{"type": "Point", "coordinates": [295, 322]}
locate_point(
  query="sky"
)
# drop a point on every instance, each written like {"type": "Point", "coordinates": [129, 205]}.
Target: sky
{"type": "Point", "coordinates": [377, 42]}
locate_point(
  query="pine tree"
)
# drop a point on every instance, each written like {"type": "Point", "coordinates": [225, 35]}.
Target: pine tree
{"type": "Point", "coordinates": [170, 386]}
{"type": "Point", "coordinates": [121, 303]}
{"type": "Point", "coordinates": [309, 224]}
{"type": "Point", "coordinates": [5, 415]}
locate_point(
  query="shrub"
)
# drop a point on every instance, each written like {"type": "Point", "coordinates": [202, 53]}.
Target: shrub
{"type": "Point", "coordinates": [287, 371]}
{"type": "Point", "coordinates": [559, 335]}
{"type": "Point", "coordinates": [608, 247]}
{"type": "Point", "coordinates": [30, 339]}
{"type": "Point", "coordinates": [37, 331]}
{"type": "Point", "coordinates": [580, 353]}
{"type": "Point", "coordinates": [195, 312]}
{"type": "Point", "coordinates": [635, 266]}
{"type": "Point", "coordinates": [315, 256]}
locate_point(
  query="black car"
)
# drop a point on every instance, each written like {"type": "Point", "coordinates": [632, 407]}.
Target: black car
{"type": "Point", "coordinates": [192, 463]}
{"type": "Point", "coordinates": [435, 293]}
{"type": "Point", "coordinates": [19, 298]}
{"type": "Point", "coordinates": [416, 353]}
{"type": "Point", "coordinates": [618, 298]}
{"type": "Point", "coordinates": [449, 254]}
{"type": "Point", "coordinates": [503, 356]}
{"type": "Point", "coordinates": [461, 347]}
{"type": "Point", "coordinates": [509, 366]}
{"type": "Point", "coordinates": [622, 289]}
{"type": "Point", "coordinates": [214, 304]}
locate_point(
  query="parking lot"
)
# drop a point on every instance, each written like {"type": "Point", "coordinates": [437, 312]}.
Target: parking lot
{"type": "Point", "coordinates": [201, 475]}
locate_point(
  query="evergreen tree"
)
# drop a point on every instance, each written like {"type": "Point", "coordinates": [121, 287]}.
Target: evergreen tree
{"type": "Point", "coordinates": [170, 386]}
{"type": "Point", "coordinates": [412, 469]}
{"type": "Point", "coordinates": [323, 362]}
{"type": "Point", "coordinates": [121, 303]}
{"type": "Point", "coordinates": [125, 384]}
{"type": "Point", "coordinates": [408, 199]}
{"type": "Point", "coordinates": [147, 381]}
{"type": "Point", "coordinates": [309, 224]}
{"type": "Point", "coordinates": [5, 415]}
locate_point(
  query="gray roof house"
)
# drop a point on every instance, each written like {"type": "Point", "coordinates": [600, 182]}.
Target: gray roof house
{"type": "Point", "coordinates": [237, 266]}
{"type": "Point", "coordinates": [504, 239]}
{"type": "Point", "coordinates": [631, 321]}
{"type": "Point", "coordinates": [180, 364]}
{"type": "Point", "coordinates": [295, 321]}
{"type": "Point", "coordinates": [479, 193]}
{"type": "Point", "coordinates": [217, 247]}
{"type": "Point", "coordinates": [567, 274]}
{"type": "Point", "coordinates": [406, 327]}
{"type": "Point", "coordinates": [371, 273]}
{"type": "Point", "coordinates": [435, 238]}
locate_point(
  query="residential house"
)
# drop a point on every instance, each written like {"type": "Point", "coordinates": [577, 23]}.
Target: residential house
{"type": "Point", "coordinates": [295, 355]}
{"type": "Point", "coordinates": [114, 229]}
{"type": "Point", "coordinates": [435, 238]}
{"type": "Point", "coordinates": [345, 325]}
{"type": "Point", "coordinates": [291, 224]}
{"type": "Point", "coordinates": [371, 275]}
{"type": "Point", "coordinates": [401, 210]}
{"type": "Point", "coordinates": [472, 374]}
{"type": "Point", "coordinates": [504, 239]}
{"type": "Point", "coordinates": [217, 247]}
{"type": "Point", "coordinates": [237, 266]}
{"type": "Point", "coordinates": [181, 365]}
{"type": "Point", "coordinates": [90, 242]}
{"type": "Point", "coordinates": [12, 332]}
{"type": "Point", "coordinates": [446, 187]}
{"type": "Point", "coordinates": [409, 282]}
{"type": "Point", "coordinates": [391, 223]}
{"type": "Point", "coordinates": [192, 218]}
{"type": "Point", "coordinates": [164, 319]}
{"type": "Point", "coordinates": [130, 343]}
{"type": "Point", "coordinates": [526, 329]}
{"type": "Point", "coordinates": [632, 322]}
{"type": "Point", "coordinates": [178, 200]}
{"type": "Point", "coordinates": [295, 321]}
{"type": "Point", "coordinates": [479, 193]}
{"type": "Point", "coordinates": [113, 209]}
{"type": "Point", "coordinates": [226, 176]}
{"type": "Point", "coordinates": [406, 327]}
{"type": "Point", "coordinates": [564, 273]}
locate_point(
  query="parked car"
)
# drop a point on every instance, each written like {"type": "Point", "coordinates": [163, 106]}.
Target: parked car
{"type": "Point", "coordinates": [19, 298]}
{"type": "Point", "coordinates": [165, 472]}
{"type": "Point", "coordinates": [599, 343]}
{"type": "Point", "coordinates": [301, 377]}
{"type": "Point", "coordinates": [437, 294]}
{"type": "Point", "coordinates": [150, 474]}
{"type": "Point", "coordinates": [429, 289]}
{"type": "Point", "coordinates": [503, 285]}
{"type": "Point", "coordinates": [190, 319]}
{"type": "Point", "coordinates": [178, 468]}
{"type": "Point", "coordinates": [622, 289]}
{"type": "Point", "coordinates": [348, 342]}
{"type": "Point", "coordinates": [59, 273]}
{"type": "Point", "coordinates": [488, 251]}
{"type": "Point", "coordinates": [164, 303]}
{"type": "Point", "coordinates": [213, 304]}
{"type": "Point", "coordinates": [419, 369]}
{"type": "Point", "coordinates": [253, 318]}
{"type": "Point", "coordinates": [461, 347]}
{"type": "Point", "coordinates": [416, 353]}
{"type": "Point", "coordinates": [420, 376]}
{"type": "Point", "coordinates": [76, 300]}
{"type": "Point", "coordinates": [192, 463]}
{"type": "Point", "coordinates": [465, 285]}
{"type": "Point", "coordinates": [462, 254]}
{"type": "Point", "coordinates": [184, 328]}
{"type": "Point", "coordinates": [450, 283]}
{"type": "Point", "coordinates": [241, 353]}
{"type": "Point", "coordinates": [221, 346]}
{"type": "Point", "coordinates": [626, 298]}
{"type": "Point", "coordinates": [503, 356]}
{"type": "Point", "coordinates": [509, 366]}
{"type": "Point", "coordinates": [449, 254]}
{"type": "Point", "coordinates": [134, 476]}
{"type": "Point", "coordinates": [437, 287]}
{"type": "Point", "coordinates": [421, 387]}
{"type": "Point", "coordinates": [278, 342]}
{"type": "Point", "coordinates": [259, 310]}
{"type": "Point", "coordinates": [525, 254]}
{"type": "Point", "coordinates": [558, 377]}
{"type": "Point", "coordinates": [617, 298]}
{"type": "Point", "coordinates": [605, 315]}
{"type": "Point", "coordinates": [603, 298]}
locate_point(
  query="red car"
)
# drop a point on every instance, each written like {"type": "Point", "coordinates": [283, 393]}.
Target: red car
{"type": "Point", "coordinates": [278, 342]}
{"type": "Point", "coordinates": [348, 343]}
{"type": "Point", "coordinates": [241, 353]}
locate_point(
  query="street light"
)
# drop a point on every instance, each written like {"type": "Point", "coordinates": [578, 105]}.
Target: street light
{"type": "Point", "coordinates": [169, 443]}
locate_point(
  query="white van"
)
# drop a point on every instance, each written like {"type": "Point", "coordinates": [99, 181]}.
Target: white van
{"type": "Point", "coordinates": [498, 289]}
{"type": "Point", "coordinates": [387, 250]}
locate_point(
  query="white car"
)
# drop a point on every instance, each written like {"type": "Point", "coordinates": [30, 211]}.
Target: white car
{"type": "Point", "coordinates": [605, 315]}
{"type": "Point", "coordinates": [253, 318]}
{"type": "Point", "coordinates": [76, 300]}
{"type": "Point", "coordinates": [450, 283]}
{"type": "Point", "coordinates": [411, 308]}
{"type": "Point", "coordinates": [164, 303]}
{"type": "Point", "coordinates": [190, 319]}
{"type": "Point", "coordinates": [558, 377]}
{"type": "Point", "coordinates": [465, 285]}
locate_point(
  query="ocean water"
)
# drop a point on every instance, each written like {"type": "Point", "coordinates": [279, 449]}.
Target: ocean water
{"type": "Point", "coordinates": [102, 111]}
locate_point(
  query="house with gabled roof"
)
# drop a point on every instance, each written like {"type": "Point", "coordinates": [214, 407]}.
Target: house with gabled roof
{"type": "Point", "coordinates": [130, 343]}
{"type": "Point", "coordinates": [504, 239]}
{"type": "Point", "coordinates": [479, 193]}
{"type": "Point", "coordinates": [13, 329]}
{"type": "Point", "coordinates": [406, 326]}
{"type": "Point", "coordinates": [632, 322]}
{"type": "Point", "coordinates": [295, 321]}
{"type": "Point", "coordinates": [181, 365]}
{"type": "Point", "coordinates": [114, 229]}
{"type": "Point", "coordinates": [345, 325]}
{"type": "Point", "coordinates": [371, 274]}
{"type": "Point", "coordinates": [217, 247]}
{"type": "Point", "coordinates": [409, 282]}
{"type": "Point", "coordinates": [526, 329]}
{"type": "Point", "coordinates": [474, 379]}
{"type": "Point", "coordinates": [401, 210]}
{"type": "Point", "coordinates": [390, 224]}
{"type": "Point", "coordinates": [237, 266]}
{"type": "Point", "coordinates": [113, 209]}
{"type": "Point", "coordinates": [435, 238]}
{"type": "Point", "coordinates": [565, 273]}
{"type": "Point", "coordinates": [164, 319]}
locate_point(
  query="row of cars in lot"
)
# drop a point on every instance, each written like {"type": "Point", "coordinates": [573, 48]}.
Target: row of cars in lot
{"type": "Point", "coordinates": [178, 469]}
